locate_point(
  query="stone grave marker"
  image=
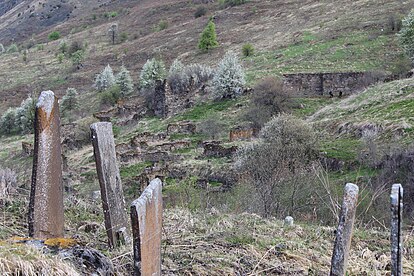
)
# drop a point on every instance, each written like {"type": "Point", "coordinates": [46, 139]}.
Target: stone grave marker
{"type": "Point", "coordinates": [344, 232]}
{"type": "Point", "coordinates": [46, 219]}
{"type": "Point", "coordinates": [112, 196]}
{"type": "Point", "coordinates": [396, 225]}
{"type": "Point", "coordinates": [146, 219]}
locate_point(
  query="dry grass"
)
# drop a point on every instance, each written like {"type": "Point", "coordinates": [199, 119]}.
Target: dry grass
{"type": "Point", "coordinates": [28, 261]}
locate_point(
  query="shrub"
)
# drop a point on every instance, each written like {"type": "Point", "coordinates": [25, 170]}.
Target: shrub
{"type": "Point", "coordinates": [162, 25]}
{"type": "Point", "coordinates": [247, 50]}
{"type": "Point", "coordinates": [7, 122]}
{"type": "Point", "coordinates": [105, 79]}
{"type": "Point", "coordinates": [212, 127]}
{"type": "Point", "coordinates": [55, 35]}
{"type": "Point", "coordinates": [63, 47]}
{"type": "Point", "coordinates": [13, 48]}
{"type": "Point", "coordinates": [123, 36]}
{"type": "Point", "coordinates": [60, 57]}
{"type": "Point", "coordinates": [77, 58]}
{"type": "Point", "coordinates": [111, 95]}
{"type": "Point", "coordinates": [406, 35]}
{"type": "Point", "coordinates": [25, 115]}
{"type": "Point", "coordinates": [182, 78]}
{"type": "Point", "coordinates": [124, 81]}
{"type": "Point", "coordinates": [201, 11]}
{"type": "Point", "coordinates": [74, 47]}
{"type": "Point", "coordinates": [269, 98]}
{"type": "Point", "coordinates": [40, 47]}
{"type": "Point", "coordinates": [229, 78]}
{"type": "Point", "coordinates": [277, 165]}
{"type": "Point", "coordinates": [8, 185]}
{"type": "Point", "coordinates": [208, 38]}
{"type": "Point", "coordinates": [152, 70]}
{"type": "Point", "coordinates": [69, 101]}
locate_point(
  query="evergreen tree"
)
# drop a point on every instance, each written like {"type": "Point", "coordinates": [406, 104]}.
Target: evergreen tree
{"type": "Point", "coordinates": [229, 78]}
{"type": "Point", "coordinates": [208, 39]}
{"type": "Point", "coordinates": [152, 70]}
{"type": "Point", "coordinates": [124, 81]}
{"type": "Point", "coordinates": [105, 79]}
{"type": "Point", "coordinates": [70, 100]}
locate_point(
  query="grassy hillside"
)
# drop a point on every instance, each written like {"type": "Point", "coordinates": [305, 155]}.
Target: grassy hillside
{"type": "Point", "coordinates": [206, 229]}
{"type": "Point", "coordinates": [291, 36]}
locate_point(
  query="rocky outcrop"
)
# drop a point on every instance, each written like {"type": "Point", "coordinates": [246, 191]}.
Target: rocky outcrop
{"type": "Point", "coordinates": [185, 127]}
{"type": "Point", "coordinates": [243, 133]}
{"type": "Point", "coordinates": [214, 149]}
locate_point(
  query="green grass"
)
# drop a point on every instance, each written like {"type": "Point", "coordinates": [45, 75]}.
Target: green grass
{"type": "Point", "coordinates": [358, 51]}
{"type": "Point", "coordinates": [341, 148]}
{"type": "Point", "coordinates": [308, 106]}
{"type": "Point", "coordinates": [205, 110]}
{"type": "Point", "coordinates": [133, 170]}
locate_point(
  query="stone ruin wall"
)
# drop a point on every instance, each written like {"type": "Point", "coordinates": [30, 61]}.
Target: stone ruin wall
{"type": "Point", "coordinates": [321, 84]}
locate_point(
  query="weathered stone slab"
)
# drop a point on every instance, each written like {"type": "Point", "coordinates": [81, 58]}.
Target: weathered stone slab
{"type": "Point", "coordinates": [113, 202]}
{"type": "Point", "coordinates": [46, 194]}
{"type": "Point", "coordinates": [146, 219]}
{"type": "Point", "coordinates": [396, 225]}
{"type": "Point", "coordinates": [344, 232]}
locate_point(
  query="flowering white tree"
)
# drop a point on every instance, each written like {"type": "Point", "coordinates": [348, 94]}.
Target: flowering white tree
{"type": "Point", "coordinates": [229, 79]}
{"type": "Point", "coordinates": [105, 79]}
{"type": "Point", "coordinates": [124, 81]}
{"type": "Point", "coordinates": [406, 35]}
{"type": "Point", "coordinates": [152, 70]}
{"type": "Point", "coordinates": [25, 114]}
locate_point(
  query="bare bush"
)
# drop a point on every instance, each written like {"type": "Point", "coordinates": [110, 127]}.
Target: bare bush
{"type": "Point", "coordinates": [278, 165]}
{"type": "Point", "coordinates": [211, 127]}
{"type": "Point", "coordinates": [269, 99]}
{"type": "Point", "coordinates": [8, 185]}
{"type": "Point", "coordinates": [185, 78]}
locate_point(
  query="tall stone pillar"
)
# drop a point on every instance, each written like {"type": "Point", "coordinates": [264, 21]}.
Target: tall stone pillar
{"type": "Point", "coordinates": [46, 219]}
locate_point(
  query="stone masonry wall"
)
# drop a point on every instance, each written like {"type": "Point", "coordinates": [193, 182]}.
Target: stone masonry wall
{"type": "Point", "coordinates": [322, 84]}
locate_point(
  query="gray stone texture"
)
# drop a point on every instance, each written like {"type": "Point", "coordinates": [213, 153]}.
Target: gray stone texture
{"type": "Point", "coordinates": [396, 226]}
{"type": "Point", "coordinates": [344, 232]}
{"type": "Point", "coordinates": [113, 202]}
{"type": "Point", "coordinates": [146, 219]}
{"type": "Point", "coordinates": [46, 219]}
{"type": "Point", "coordinates": [321, 84]}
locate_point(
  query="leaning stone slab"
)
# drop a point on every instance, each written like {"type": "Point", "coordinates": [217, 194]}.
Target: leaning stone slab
{"type": "Point", "coordinates": [396, 225]}
{"type": "Point", "coordinates": [113, 202]}
{"type": "Point", "coordinates": [344, 232]}
{"type": "Point", "coordinates": [146, 219]}
{"type": "Point", "coordinates": [46, 193]}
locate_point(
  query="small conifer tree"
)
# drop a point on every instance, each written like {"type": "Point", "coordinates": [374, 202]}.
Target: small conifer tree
{"type": "Point", "coordinates": [406, 35]}
{"type": "Point", "coordinates": [70, 100]}
{"type": "Point", "coordinates": [105, 79]}
{"type": "Point", "coordinates": [229, 78]}
{"type": "Point", "coordinates": [124, 81]}
{"type": "Point", "coordinates": [208, 39]}
{"type": "Point", "coordinates": [152, 70]}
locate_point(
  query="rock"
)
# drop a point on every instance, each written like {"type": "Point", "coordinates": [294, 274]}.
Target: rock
{"type": "Point", "coordinates": [288, 221]}
{"type": "Point", "coordinates": [214, 149]}
{"type": "Point", "coordinates": [185, 127]}
{"type": "Point", "coordinates": [27, 149]}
